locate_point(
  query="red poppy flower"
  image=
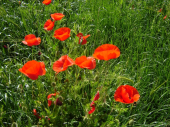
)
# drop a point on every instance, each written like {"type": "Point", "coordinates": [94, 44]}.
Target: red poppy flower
{"type": "Point", "coordinates": [86, 62]}
{"type": "Point", "coordinates": [106, 52]}
{"type": "Point", "coordinates": [96, 96]}
{"type": "Point", "coordinates": [160, 10]}
{"type": "Point", "coordinates": [126, 94]}
{"type": "Point", "coordinates": [49, 25]}
{"type": "Point", "coordinates": [82, 39]}
{"type": "Point", "coordinates": [62, 64]}
{"type": "Point", "coordinates": [33, 69]}
{"type": "Point", "coordinates": [31, 40]}
{"type": "Point", "coordinates": [92, 105]}
{"type": "Point", "coordinates": [36, 114]}
{"type": "Point", "coordinates": [57, 16]}
{"type": "Point", "coordinates": [46, 2]}
{"type": "Point", "coordinates": [48, 97]}
{"type": "Point", "coordinates": [62, 33]}
{"type": "Point", "coordinates": [165, 17]}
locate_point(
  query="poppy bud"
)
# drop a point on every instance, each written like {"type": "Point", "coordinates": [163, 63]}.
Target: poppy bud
{"type": "Point", "coordinates": [79, 78]}
{"type": "Point", "coordinates": [46, 117]}
{"type": "Point", "coordinates": [133, 7]}
{"type": "Point", "coordinates": [131, 122]}
{"type": "Point", "coordinates": [66, 81]}
{"type": "Point", "coordinates": [165, 17]}
{"type": "Point", "coordinates": [160, 10]}
{"type": "Point", "coordinates": [58, 102]}
{"type": "Point", "coordinates": [39, 53]}
{"type": "Point", "coordinates": [5, 46]}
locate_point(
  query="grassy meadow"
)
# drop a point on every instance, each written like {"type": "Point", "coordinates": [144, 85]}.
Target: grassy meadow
{"type": "Point", "coordinates": [136, 27]}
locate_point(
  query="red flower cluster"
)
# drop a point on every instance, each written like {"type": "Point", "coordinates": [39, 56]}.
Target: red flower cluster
{"type": "Point", "coordinates": [32, 69]}
{"type": "Point", "coordinates": [92, 105]}
{"type": "Point", "coordinates": [49, 24]}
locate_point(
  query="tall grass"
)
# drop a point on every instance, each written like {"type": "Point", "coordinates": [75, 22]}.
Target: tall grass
{"type": "Point", "coordinates": [136, 27]}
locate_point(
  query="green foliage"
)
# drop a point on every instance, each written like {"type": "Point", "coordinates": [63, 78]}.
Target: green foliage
{"type": "Point", "coordinates": [136, 27]}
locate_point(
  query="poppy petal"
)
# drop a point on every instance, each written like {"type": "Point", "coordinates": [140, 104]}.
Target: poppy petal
{"type": "Point", "coordinates": [46, 2]}
{"type": "Point", "coordinates": [92, 109]}
{"type": "Point", "coordinates": [83, 42]}
{"type": "Point", "coordinates": [36, 114]}
{"type": "Point", "coordinates": [68, 62]}
{"type": "Point", "coordinates": [125, 96]}
{"type": "Point", "coordinates": [96, 96]}
{"type": "Point", "coordinates": [58, 66]}
{"type": "Point", "coordinates": [136, 97]}
{"type": "Point", "coordinates": [85, 37]}
{"type": "Point", "coordinates": [48, 97]}
{"type": "Point", "coordinates": [57, 16]}
{"type": "Point", "coordinates": [29, 37]}
{"type": "Point", "coordinates": [43, 71]}
{"type": "Point", "coordinates": [92, 104]}
{"type": "Point", "coordinates": [79, 35]}
{"type": "Point", "coordinates": [80, 60]}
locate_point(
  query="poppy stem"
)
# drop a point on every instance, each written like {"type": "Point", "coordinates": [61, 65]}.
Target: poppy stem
{"type": "Point", "coordinates": [32, 90]}
{"type": "Point", "coordinates": [77, 73]}
{"type": "Point", "coordinates": [106, 68]}
{"type": "Point", "coordinates": [32, 53]}
{"type": "Point", "coordinates": [131, 107]}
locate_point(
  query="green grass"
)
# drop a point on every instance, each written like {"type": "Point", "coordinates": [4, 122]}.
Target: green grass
{"type": "Point", "coordinates": [136, 27]}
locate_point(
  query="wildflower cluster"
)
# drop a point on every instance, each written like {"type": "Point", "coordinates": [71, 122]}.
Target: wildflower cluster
{"type": "Point", "coordinates": [33, 69]}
